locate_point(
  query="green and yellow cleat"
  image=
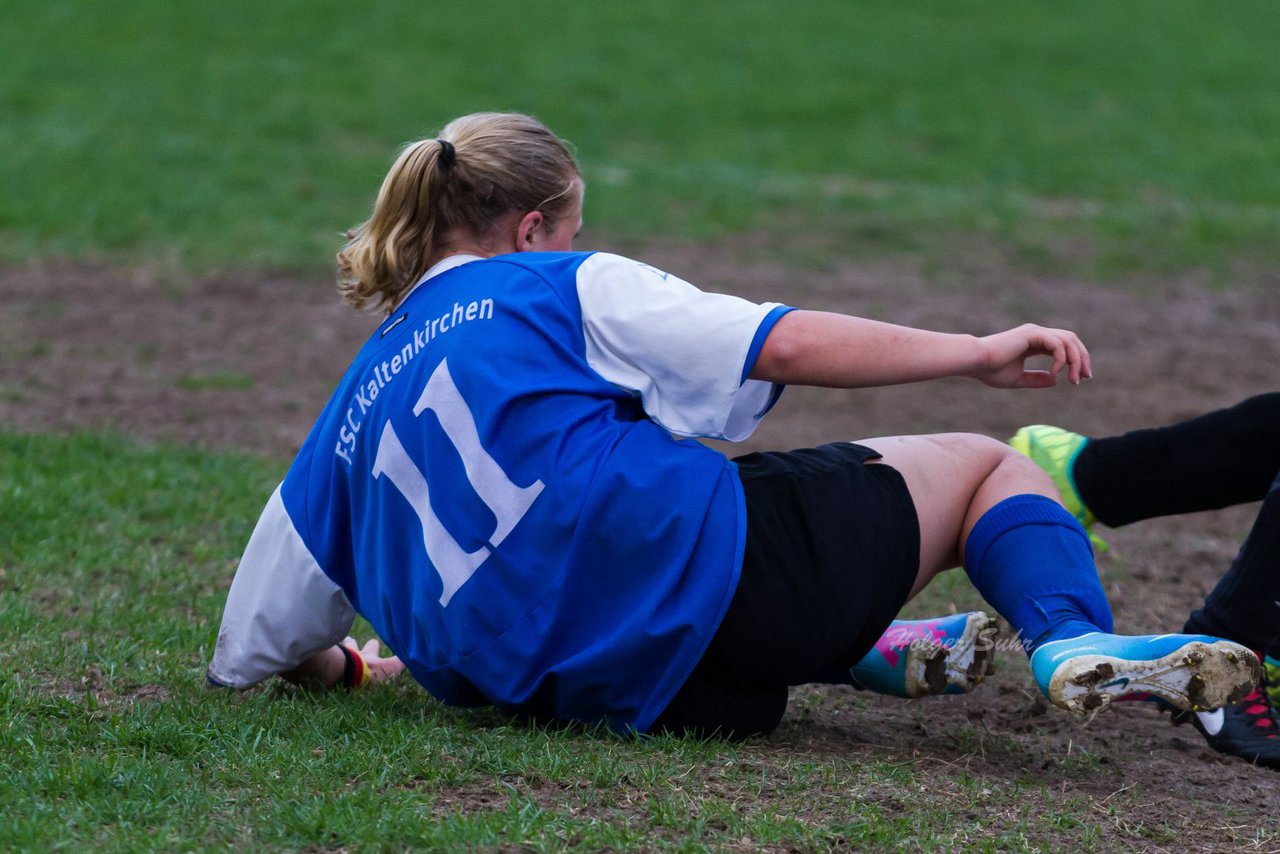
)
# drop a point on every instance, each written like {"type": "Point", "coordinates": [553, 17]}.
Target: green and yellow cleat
{"type": "Point", "coordinates": [1055, 451]}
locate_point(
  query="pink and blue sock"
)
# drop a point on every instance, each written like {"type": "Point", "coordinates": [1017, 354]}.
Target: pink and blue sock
{"type": "Point", "coordinates": [1032, 561]}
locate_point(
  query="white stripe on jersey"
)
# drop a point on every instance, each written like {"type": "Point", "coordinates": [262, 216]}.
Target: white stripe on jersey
{"type": "Point", "coordinates": [680, 349]}
{"type": "Point", "coordinates": [282, 608]}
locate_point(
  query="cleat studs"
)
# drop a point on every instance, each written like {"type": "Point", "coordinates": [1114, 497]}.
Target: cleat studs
{"type": "Point", "coordinates": [1099, 673]}
{"type": "Point", "coordinates": [1194, 658]}
{"type": "Point", "coordinates": [1239, 693]}
{"type": "Point", "coordinates": [1195, 691]}
{"type": "Point", "coordinates": [935, 673]}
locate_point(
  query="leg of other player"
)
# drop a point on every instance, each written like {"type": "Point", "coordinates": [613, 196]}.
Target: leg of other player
{"type": "Point", "coordinates": [1219, 459]}
{"type": "Point", "coordinates": [1245, 604]}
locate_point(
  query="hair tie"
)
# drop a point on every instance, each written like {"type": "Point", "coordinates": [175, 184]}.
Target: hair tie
{"type": "Point", "coordinates": [447, 153]}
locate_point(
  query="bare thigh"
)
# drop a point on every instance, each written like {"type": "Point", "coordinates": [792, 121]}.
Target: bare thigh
{"type": "Point", "coordinates": [953, 479]}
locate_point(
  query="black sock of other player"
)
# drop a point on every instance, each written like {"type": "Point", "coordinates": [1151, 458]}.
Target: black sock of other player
{"type": "Point", "coordinates": [1216, 460]}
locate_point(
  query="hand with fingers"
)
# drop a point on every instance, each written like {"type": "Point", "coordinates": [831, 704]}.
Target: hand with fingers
{"type": "Point", "coordinates": [1008, 351]}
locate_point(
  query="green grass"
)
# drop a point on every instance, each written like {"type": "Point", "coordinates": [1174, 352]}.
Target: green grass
{"type": "Point", "coordinates": [217, 381]}
{"type": "Point", "coordinates": [114, 562]}
{"type": "Point", "coordinates": [1094, 137]}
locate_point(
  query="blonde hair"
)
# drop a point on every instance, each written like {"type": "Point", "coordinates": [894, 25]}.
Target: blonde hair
{"type": "Point", "coordinates": [478, 169]}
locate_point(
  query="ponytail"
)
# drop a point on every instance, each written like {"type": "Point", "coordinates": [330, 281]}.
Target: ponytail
{"type": "Point", "coordinates": [386, 255]}
{"type": "Point", "coordinates": [480, 168]}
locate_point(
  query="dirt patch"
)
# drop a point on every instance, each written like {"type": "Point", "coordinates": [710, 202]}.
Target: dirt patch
{"type": "Point", "coordinates": [222, 362]}
{"type": "Point", "coordinates": [247, 363]}
{"type": "Point", "coordinates": [95, 691]}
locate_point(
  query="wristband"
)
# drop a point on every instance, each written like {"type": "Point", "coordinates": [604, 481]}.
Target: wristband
{"type": "Point", "coordinates": [355, 671]}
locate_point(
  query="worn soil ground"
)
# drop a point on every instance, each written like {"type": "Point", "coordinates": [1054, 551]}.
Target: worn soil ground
{"type": "Point", "coordinates": [246, 362]}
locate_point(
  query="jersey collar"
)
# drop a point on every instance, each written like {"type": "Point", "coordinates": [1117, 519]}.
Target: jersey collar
{"type": "Point", "coordinates": [442, 266]}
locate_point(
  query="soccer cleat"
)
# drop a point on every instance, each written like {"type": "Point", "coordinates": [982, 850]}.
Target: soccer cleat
{"type": "Point", "coordinates": [1189, 672]}
{"type": "Point", "coordinates": [943, 655]}
{"type": "Point", "coordinates": [1055, 451]}
{"type": "Point", "coordinates": [1249, 729]}
{"type": "Point", "coordinates": [1271, 669]}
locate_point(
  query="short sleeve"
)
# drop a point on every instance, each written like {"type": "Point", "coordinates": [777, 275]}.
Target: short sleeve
{"type": "Point", "coordinates": [282, 608]}
{"type": "Point", "coordinates": [683, 351]}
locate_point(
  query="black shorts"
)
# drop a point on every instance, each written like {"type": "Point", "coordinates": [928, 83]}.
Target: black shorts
{"type": "Point", "coordinates": [832, 549]}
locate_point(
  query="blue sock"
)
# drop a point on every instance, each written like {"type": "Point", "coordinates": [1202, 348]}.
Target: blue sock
{"type": "Point", "coordinates": [1032, 561]}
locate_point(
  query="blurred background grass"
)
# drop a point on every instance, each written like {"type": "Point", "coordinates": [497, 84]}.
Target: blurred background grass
{"type": "Point", "coordinates": [1110, 141]}
{"type": "Point", "coordinates": [1090, 137]}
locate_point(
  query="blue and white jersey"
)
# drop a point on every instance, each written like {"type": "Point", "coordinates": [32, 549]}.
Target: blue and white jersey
{"type": "Point", "coordinates": [503, 486]}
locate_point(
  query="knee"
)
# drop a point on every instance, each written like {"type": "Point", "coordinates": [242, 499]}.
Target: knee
{"type": "Point", "coordinates": [976, 447]}
{"type": "Point", "coordinates": [987, 457]}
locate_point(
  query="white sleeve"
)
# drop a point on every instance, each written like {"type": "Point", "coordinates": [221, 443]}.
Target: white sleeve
{"type": "Point", "coordinates": [683, 351]}
{"type": "Point", "coordinates": [282, 608]}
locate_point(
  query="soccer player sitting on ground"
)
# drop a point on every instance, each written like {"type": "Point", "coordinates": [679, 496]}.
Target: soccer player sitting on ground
{"type": "Point", "coordinates": [1222, 458]}
{"type": "Point", "coordinates": [506, 486]}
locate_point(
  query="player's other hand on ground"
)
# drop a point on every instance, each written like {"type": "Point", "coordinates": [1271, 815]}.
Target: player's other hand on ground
{"type": "Point", "coordinates": [1008, 351]}
{"type": "Point", "coordinates": [380, 669]}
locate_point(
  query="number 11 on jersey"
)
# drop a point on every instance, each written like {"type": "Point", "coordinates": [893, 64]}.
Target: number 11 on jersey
{"type": "Point", "coordinates": [508, 502]}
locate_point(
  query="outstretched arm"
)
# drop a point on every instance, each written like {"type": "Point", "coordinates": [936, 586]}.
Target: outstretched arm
{"type": "Point", "coordinates": [841, 351]}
